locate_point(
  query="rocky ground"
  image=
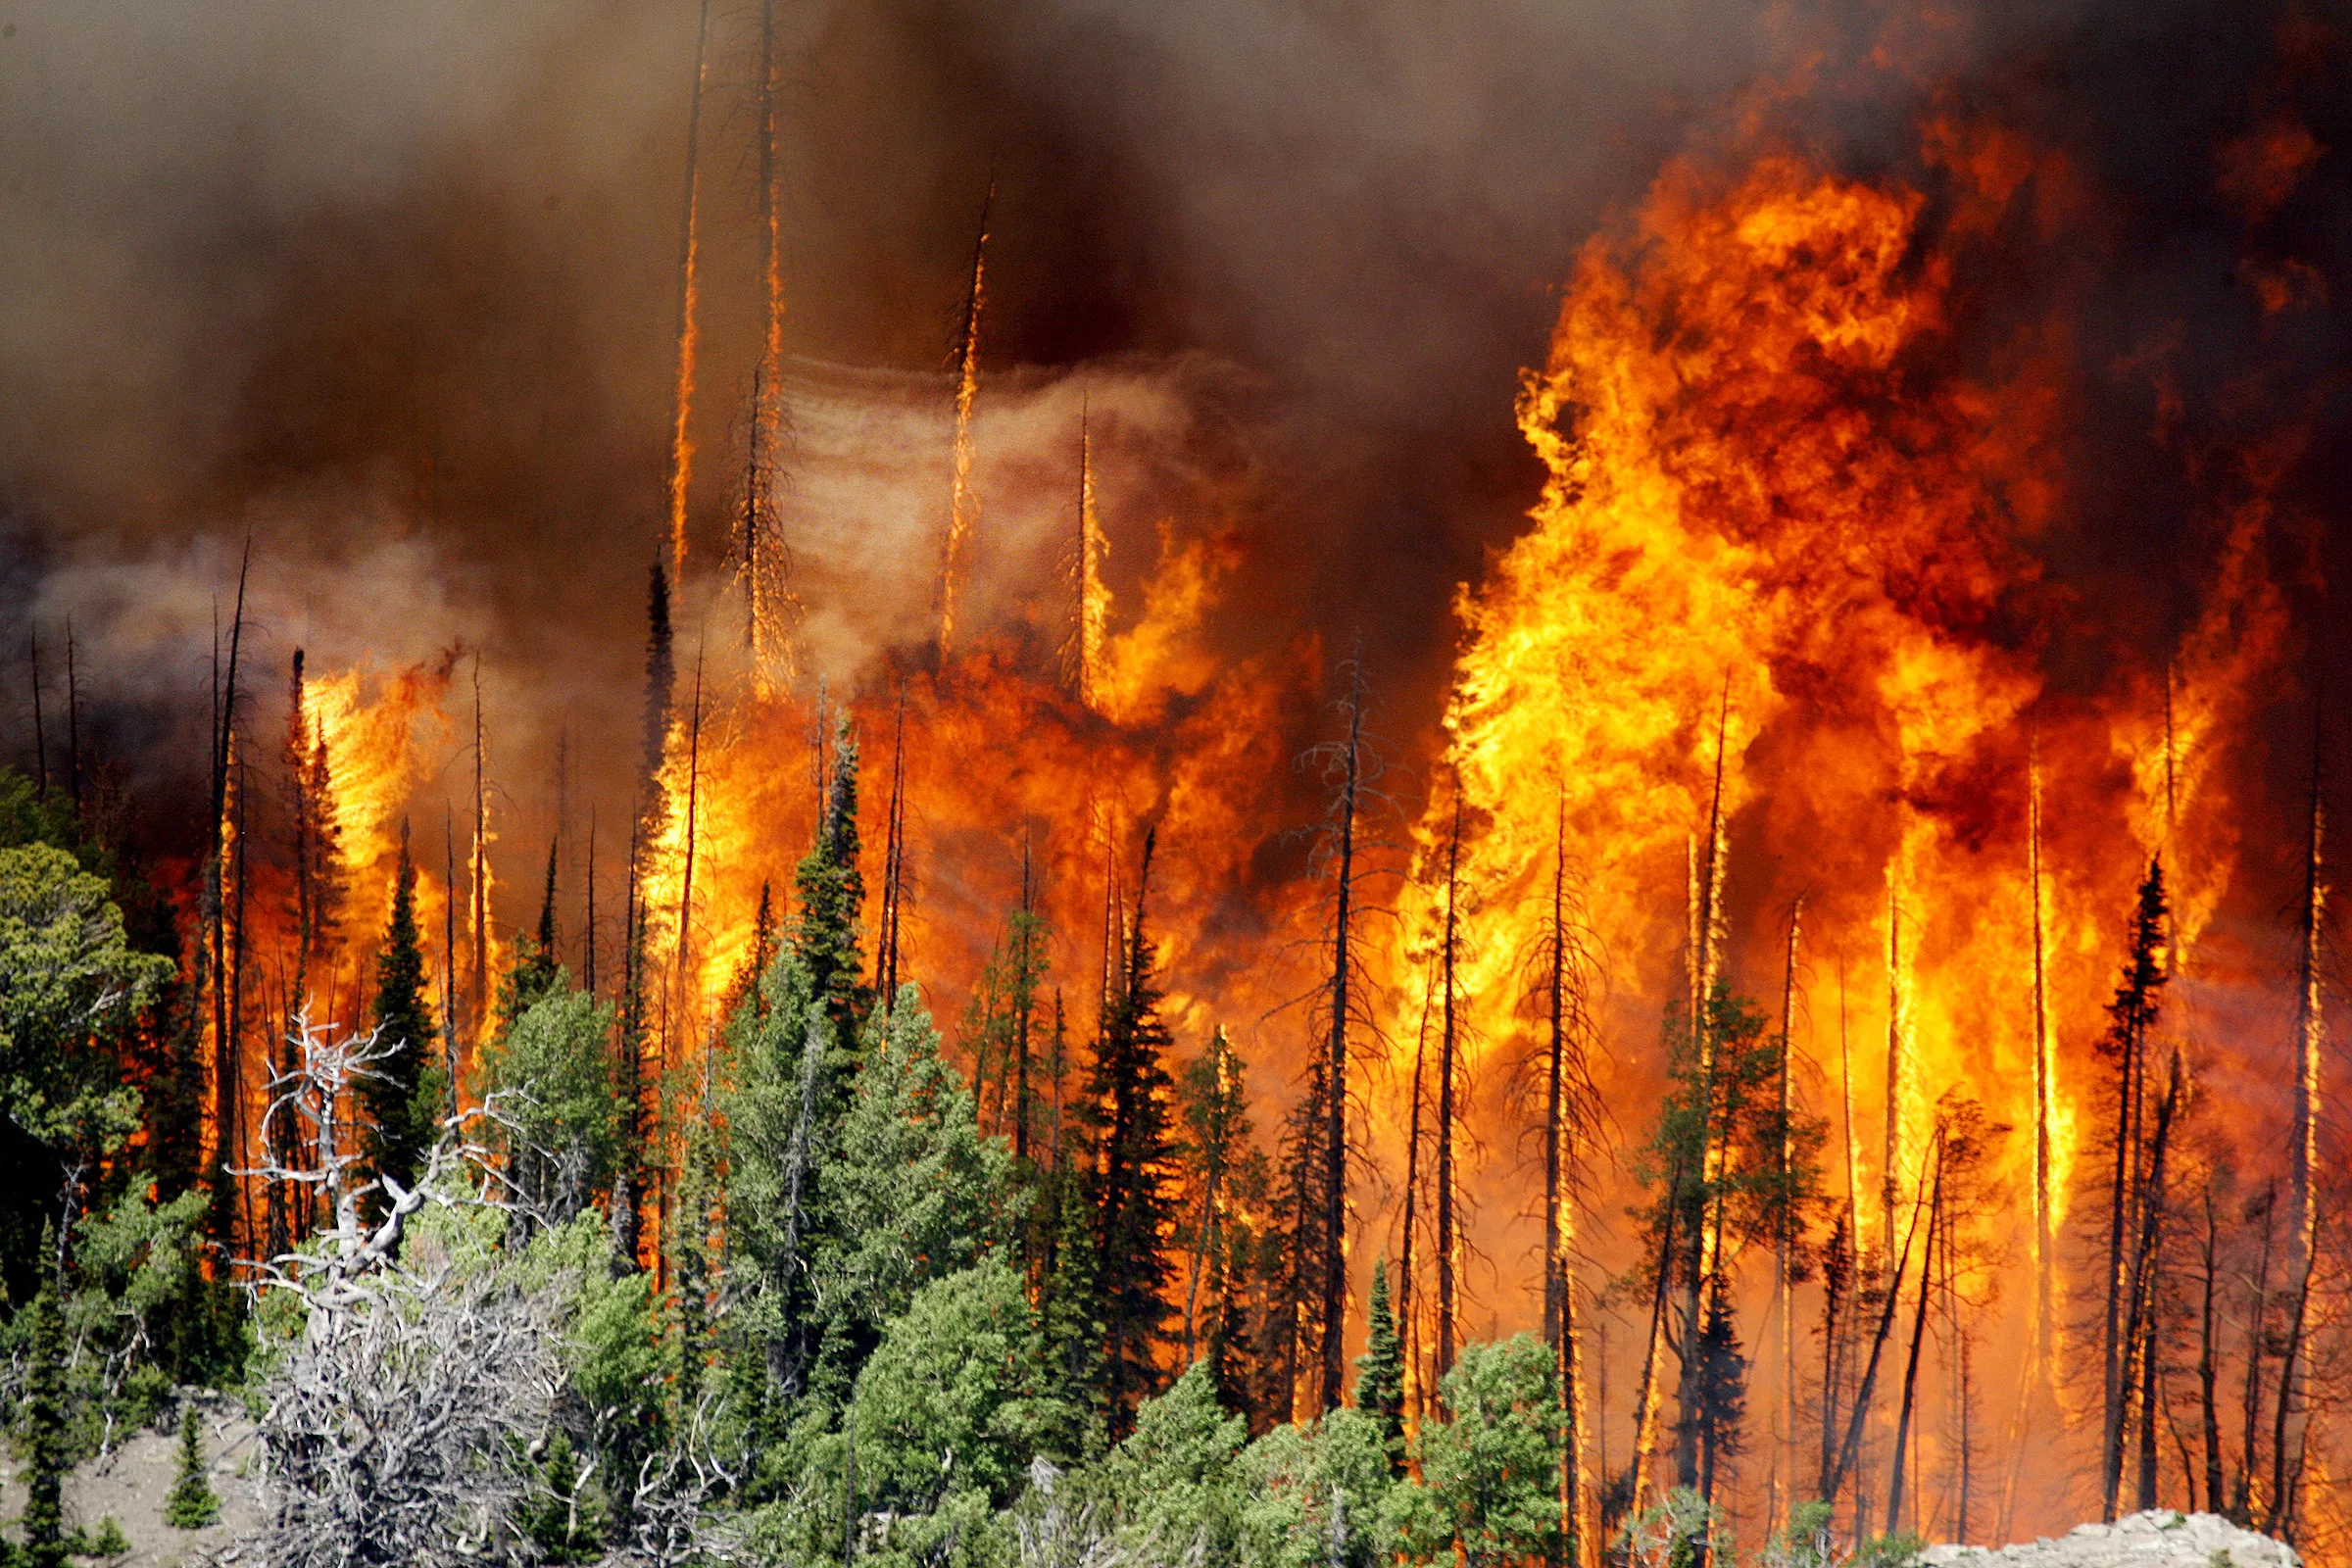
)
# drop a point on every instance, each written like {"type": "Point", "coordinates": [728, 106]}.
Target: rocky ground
{"type": "Point", "coordinates": [132, 1480]}
{"type": "Point", "coordinates": [2160, 1540]}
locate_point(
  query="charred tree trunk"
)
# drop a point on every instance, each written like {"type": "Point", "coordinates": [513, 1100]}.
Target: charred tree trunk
{"type": "Point", "coordinates": [225, 1085]}
{"type": "Point", "coordinates": [1850, 1445]}
{"type": "Point", "coordinates": [1334, 1153]}
{"type": "Point", "coordinates": [73, 725]}
{"type": "Point", "coordinates": [588, 918]}
{"type": "Point", "coordinates": [1700, 1266]}
{"type": "Point", "coordinates": [894, 864]}
{"type": "Point", "coordinates": [681, 437]}
{"type": "Point", "coordinates": [478, 997]}
{"type": "Point", "coordinates": [2241, 1491]}
{"type": "Point", "coordinates": [1919, 1334]}
{"type": "Point", "coordinates": [694, 783]}
{"type": "Point", "coordinates": [1448, 1049]}
{"type": "Point", "coordinates": [2209, 1406]}
{"type": "Point", "coordinates": [1407, 1317]}
{"type": "Point", "coordinates": [2145, 1269]}
{"type": "Point", "coordinates": [2044, 1241]}
{"type": "Point", "coordinates": [40, 729]}
{"type": "Point", "coordinates": [1785, 1239]}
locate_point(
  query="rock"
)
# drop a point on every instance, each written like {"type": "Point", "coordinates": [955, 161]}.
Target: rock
{"type": "Point", "coordinates": [2161, 1539]}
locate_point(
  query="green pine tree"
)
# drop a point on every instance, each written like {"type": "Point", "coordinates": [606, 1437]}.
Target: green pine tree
{"type": "Point", "coordinates": [192, 1504]}
{"type": "Point", "coordinates": [1131, 1095]}
{"type": "Point", "coordinates": [913, 1191]}
{"type": "Point", "coordinates": [1380, 1371]}
{"type": "Point", "coordinates": [832, 898]}
{"type": "Point", "coordinates": [1488, 1473]}
{"type": "Point", "coordinates": [1069, 1298]}
{"type": "Point", "coordinates": [559, 1518]}
{"type": "Point", "coordinates": [399, 1119]}
{"type": "Point", "coordinates": [49, 1448]}
{"type": "Point", "coordinates": [797, 1057]}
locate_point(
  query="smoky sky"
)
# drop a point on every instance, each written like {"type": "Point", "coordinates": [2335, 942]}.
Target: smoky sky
{"type": "Point", "coordinates": [393, 288]}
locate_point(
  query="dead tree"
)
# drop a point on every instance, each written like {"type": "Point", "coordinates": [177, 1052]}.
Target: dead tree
{"type": "Point", "coordinates": [689, 327]}
{"type": "Point", "coordinates": [1448, 1048]}
{"type": "Point", "coordinates": [1344, 768]}
{"type": "Point", "coordinates": [2265, 1206]}
{"type": "Point", "coordinates": [226, 1076]}
{"type": "Point", "coordinates": [2289, 1419]}
{"type": "Point", "coordinates": [1407, 1317]}
{"type": "Point", "coordinates": [1571, 1112]}
{"type": "Point", "coordinates": [478, 997]}
{"type": "Point", "coordinates": [401, 1416]}
{"type": "Point", "coordinates": [894, 866]}
{"type": "Point", "coordinates": [1919, 1334]}
{"type": "Point", "coordinates": [2131, 1020]}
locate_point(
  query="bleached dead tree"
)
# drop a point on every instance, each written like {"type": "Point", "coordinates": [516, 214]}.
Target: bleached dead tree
{"type": "Point", "coordinates": [402, 1408]}
{"type": "Point", "coordinates": [420, 1369]}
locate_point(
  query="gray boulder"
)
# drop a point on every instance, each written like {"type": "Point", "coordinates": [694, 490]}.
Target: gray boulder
{"type": "Point", "coordinates": [2161, 1539]}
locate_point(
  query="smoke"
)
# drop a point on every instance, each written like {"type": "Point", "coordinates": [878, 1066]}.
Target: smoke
{"type": "Point", "coordinates": [332, 279]}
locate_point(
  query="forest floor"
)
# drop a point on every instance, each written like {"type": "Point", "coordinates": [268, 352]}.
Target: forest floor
{"type": "Point", "coordinates": [132, 1480]}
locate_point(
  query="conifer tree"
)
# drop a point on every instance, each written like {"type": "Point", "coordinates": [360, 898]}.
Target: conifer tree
{"type": "Point", "coordinates": [1380, 1371]}
{"type": "Point", "coordinates": [1291, 1264]}
{"type": "Point", "coordinates": [49, 1453]}
{"type": "Point", "coordinates": [2131, 1021]}
{"type": "Point", "coordinates": [192, 1503]}
{"type": "Point", "coordinates": [832, 900]}
{"type": "Point", "coordinates": [543, 965]}
{"type": "Point", "coordinates": [399, 1118]}
{"type": "Point", "coordinates": [661, 672]}
{"type": "Point", "coordinates": [1134, 1195]}
{"type": "Point", "coordinates": [1730, 1166]}
{"type": "Point", "coordinates": [1069, 1296]}
{"type": "Point", "coordinates": [1216, 1115]}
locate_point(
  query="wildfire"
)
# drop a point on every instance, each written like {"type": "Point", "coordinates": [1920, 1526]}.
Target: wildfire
{"type": "Point", "coordinates": [1772, 492]}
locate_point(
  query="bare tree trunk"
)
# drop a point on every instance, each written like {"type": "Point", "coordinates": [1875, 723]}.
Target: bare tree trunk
{"type": "Point", "coordinates": [1563, 1122]}
{"type": "Point", "coordinates": [681, 438]}
{"type": "Point", "coordinates": [226, 1089]}
{"type": "Point", "coordinates": [1448, 1049]}
{"type": "Point", "coordinates": [1024, 1005]}
{"type": "Point", "coordinates": [588, 922]}
{"type": "Point", "coordinates": [894, 863]}
{"type": "Point", "coordinates": [961, 513]}
{"type": "Point", "coordinates": [2286, 1432]}
{"type": "Point", "coordinates": [449, 946]}
{"type": "Point", "coordinates": [1089, 601]}
{"type": "Point", "coordinates": [478, 1000]}
{"type": "Point", "coordinates": [2045, 1242]}
{"type": "Point", "coordinates": [1851, 1445]}
{"type": "Point", "coordinates": [1334, 1153]}
{"type": "Point", "coordinates": [40, 729]}
{"type": "Point", "coordinates": [1647, 1400]}
{"type": "Point", "coordinates": [1699, 1271]}
{"type": "Point", "coordinates": [694, 784]}
{"type": "Point", "coordinates": [1919, 1334]}
{"type": "Point", "coordinates": [1784, 1275]}
{"type": "Point", "coordinates": [73, 725]}
{"type": "Point", "coordinates": [2208, 1366]}
{"type": "Point", "coordinates": [2241, 1491]}
{"type": "Point", "coordinates": [1406, 1314]}
{"type": "Point", "coordinates": [2144, 1271]}
{"type": "Point", "coordinates": [233, 1128]}
{"type": "Point", "coordinates": [2114, 1345]}
{"type": "Point", "coordinates": [1890, 1169]}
